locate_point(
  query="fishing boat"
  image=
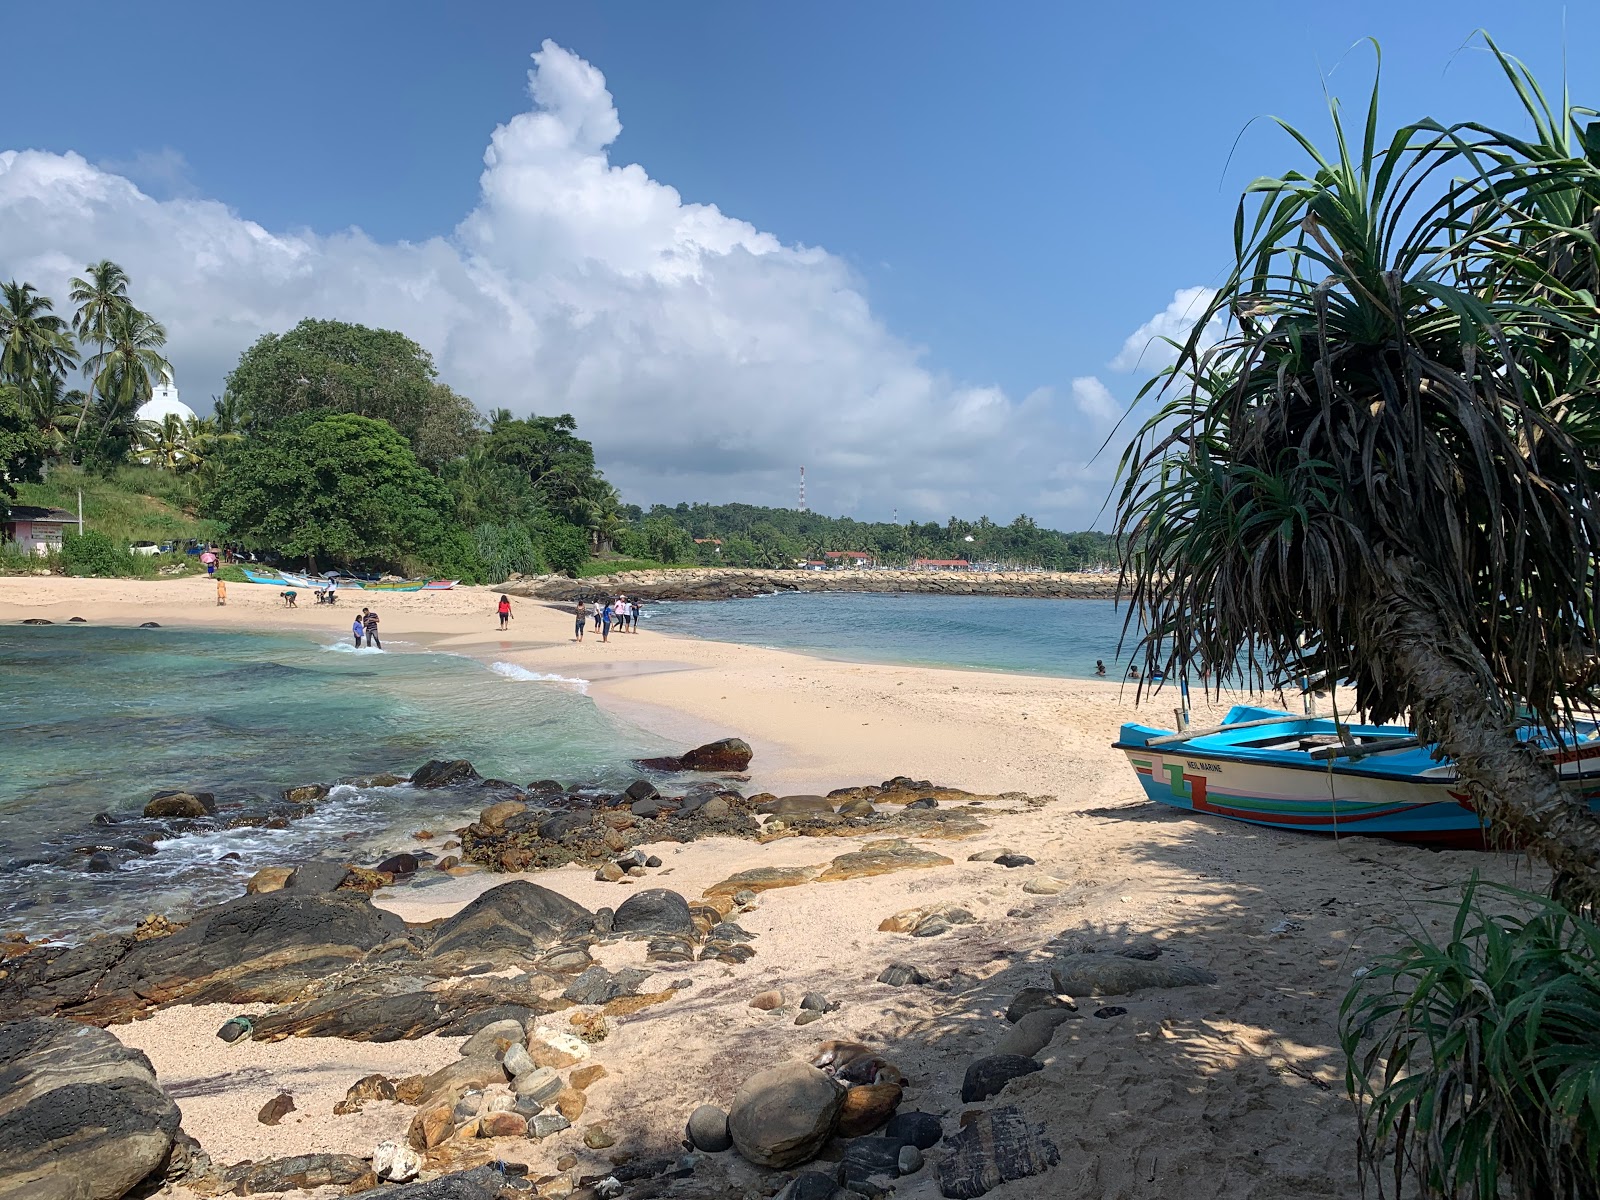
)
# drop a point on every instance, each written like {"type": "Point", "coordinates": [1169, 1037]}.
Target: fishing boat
{"type": "Point", "coordinates": [402, 585]}
{"type": "Point", "coordinates": [1312, 774]}
{"type": "Point", "coordinates": [440, 585]}
{"type": "Point", "coordinates": [272, 577]}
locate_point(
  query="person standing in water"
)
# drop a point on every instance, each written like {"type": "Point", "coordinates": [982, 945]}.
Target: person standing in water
{"type": "Point", "coordinates": [370, 621]}
{"type": "Point", "coordinates": [505, 610]}
{"type": "Point", "coordinates": [359, 627]}
{"type": "Point", "coordinates": [580, 613]}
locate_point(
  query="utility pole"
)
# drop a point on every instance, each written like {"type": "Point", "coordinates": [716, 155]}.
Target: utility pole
{"type": "Point", "coordinates": [80, 512]}
{"type": "Point", "coordinates": [802, 489]}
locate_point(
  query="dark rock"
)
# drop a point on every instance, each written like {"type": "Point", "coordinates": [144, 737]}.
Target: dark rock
{"type": "Point", "coordinates": [234, 1028]}
{"type": "Point", "coordinates": [398, 864]}
{"type": "Point", "coordinates": [796, 806]}
{"type": "Point", "coordinates": [708, 1129]}
{"type": "Point", "coordinates": [813, 1185]}
{"type": "Point", "coordinates": [670, 950]}
{"type": "Point", "coordinates": [439, 772]}
{"type": "Point", "coordinates": [1116, 975]}
{"type": "Point", "coordinates": [728, 754]}
{"type": "Point", "coordinates": [43, 621]}
{"type": "Point", "coordinates": [1014, 860]}
{"type": "Point", "coordinates": [901, 974]}
{"type": "Point", "coordinates": [653, 861]}
{"type": "Point", "coordinates": [276, 1109]}
{"type": "Point", "coordinates": [142, 624]}
{"type": "Point", "coordinates": [300, 1173]}
{"type": "Point", "coordinates": [564, 825]}
{"type": "Point", "coordinates": [924, 802]}
{"type": "Point", "coordinates": [816, 1001]}
{"type": "Point", "coordinates": [603, 918]}
{"type": "Point", "coordinates": [785, 1114]}
{"type": "Point", "coordinates": [922, 1130]}
{"type": "Point", "coordinates": [1111, 1010]}
{"type": "Point", "coordinates": [648, 808]}
{"type": "Point", "coordinates": [318, 877]}
{"type": "Point", "coordinates": [100, 862]}
{"type": "Point", "coordinates": [653, 911]}
{"type": "Point", "coordinates": [507, 923]}
{"type": "Point", "coordinates": [309, 793]}
{"type": "Point", "coordinates": [1030, 1000]}
{"type": "Point", "coordinates": [545, 787]}
{"type": "Point", "coordinates": [487, 1182]}
{"type": "Point", "coordinates": [988, 1076]}
{"type": "Point", "coordinates": [186, 805]}
{"type": "Point", "coordinates": [76, 621]}
{"type": "Point", "coordinates": [868, 1156]}
{"type": "Point", "coordinates": [994, 1148]}
{"type": "Point", "coordinates": [263, 948]}
{"type": "Point", "coordinates": [641, 789]}
{"type": "Point", "coordinates": [81, 1115]}
{"type": "Point", "coordinates": [599, 986]}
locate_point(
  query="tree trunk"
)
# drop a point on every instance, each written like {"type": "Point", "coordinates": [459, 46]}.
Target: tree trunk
{"type": "Point", "coordinates": [1514, 788]}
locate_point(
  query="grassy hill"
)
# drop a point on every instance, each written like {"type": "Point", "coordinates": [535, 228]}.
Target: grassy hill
{"type": "Point", "coordinates": [137, 504]}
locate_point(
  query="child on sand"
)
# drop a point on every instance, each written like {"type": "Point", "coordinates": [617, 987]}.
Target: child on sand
{"type": "Point", "coordinates": [222, 591]}
{"type": "Point", "coordinates": [505, 610]}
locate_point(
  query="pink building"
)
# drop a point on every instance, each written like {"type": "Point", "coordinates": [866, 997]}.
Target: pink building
{"type": "Point", "coordinates": [37, 530]}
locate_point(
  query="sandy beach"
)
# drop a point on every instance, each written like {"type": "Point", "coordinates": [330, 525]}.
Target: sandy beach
{"type": "Point", "coordinates": [1234, 1089]}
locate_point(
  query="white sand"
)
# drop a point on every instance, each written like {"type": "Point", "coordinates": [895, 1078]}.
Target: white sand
{"type": "Point", "coordinates": [1228, 1091]}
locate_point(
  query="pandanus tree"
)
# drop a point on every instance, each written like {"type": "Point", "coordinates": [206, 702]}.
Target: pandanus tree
{"type": "Point", "coordinates": [1376, 461]}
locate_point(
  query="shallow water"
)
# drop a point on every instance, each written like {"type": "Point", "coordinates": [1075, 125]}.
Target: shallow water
{"type": "Point", "coordinates": [997, 633]}
{"type": "Point", "coordinates": [95, 720]}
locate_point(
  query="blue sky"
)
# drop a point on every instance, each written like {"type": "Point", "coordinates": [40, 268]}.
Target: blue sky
{"type": "Point", "coordinates": [1009, 190]}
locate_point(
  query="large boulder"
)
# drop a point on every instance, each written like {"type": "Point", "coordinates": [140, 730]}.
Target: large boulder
{"type": "Point", "coordinates": [256, 949]}
{"type": "Point", "coordinates": [651, 912]}
{"type": "Point", "coordinates": [181, 804]}
{"type": "Point", "coordinates": [508, 923]}
{"type": "Point", "coordinates": [728, 754]}
{"type": "Point", "coordinates": [785, 1114]}
{"type": "Point", "coordinates": [443, 772]}
{"type": "Point", "coordinates": [81, 1115]}
{"type": "Point", "coordinates": [995, 1147]}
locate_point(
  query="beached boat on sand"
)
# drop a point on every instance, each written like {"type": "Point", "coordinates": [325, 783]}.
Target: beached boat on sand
{"type": "Point", "coordinates": [1269, 767]}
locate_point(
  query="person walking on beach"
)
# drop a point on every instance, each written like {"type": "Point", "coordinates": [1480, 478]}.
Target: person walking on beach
{"type": "Point", "coordinates": [359, 627]}
{"type": "Point", "coordinates": [370, 622]}
{"type": "Point", "coordinates": [505, 610]}
{"type": "Point", "coordinates": [581, 612]}
{"type": "Point", "coordinates": [598, 610]}
{"type": "Point", "coordinates": [606, 614]}
{"type": "Point", "coordinates": [638, 611]}
{"type": "Point", "coordinates": [222, 591]}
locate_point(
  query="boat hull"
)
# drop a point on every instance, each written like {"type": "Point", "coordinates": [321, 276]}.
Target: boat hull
{"type": "Point", "coordinates": [1403, 795]}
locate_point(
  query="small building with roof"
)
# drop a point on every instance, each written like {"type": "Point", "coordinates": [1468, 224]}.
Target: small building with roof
{"type": "Point", "coordinates": [847, 558]}
{"type": "Point", "coordinates": [940, 564]}
{"type": "Point", "coordinates": [37, 530]}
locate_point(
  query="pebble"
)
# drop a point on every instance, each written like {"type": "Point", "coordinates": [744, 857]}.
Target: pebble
{"type": "Point", "coordinates": [767, 1000]}
{"type": "Point", "coordinates": [708, 1129]}
{"type": "Point", "coordinates": [653, 861]}
{"type": "Point", "coordinates": [808, 1016]}
{"type": "Point", "coordinates": [910, 1159]}
{"type": "Point", "coordinates": [744, 898]}
{"type": "Point", "coordinates": [609, 873]}
{"type": "Point", "coordinates": [817, 1001]}
{"type": "Point", "coordinates": [1014, 860]}
{"type": "Point", "coordinates": [598, 1137]}
{"type": "Point", "coordinates": [276, 1109]}
{"type": "Point", "coordinates": [1044, 885]}
{"type": "Point", "coordinates": [545, 1124]}
{"type": "Point", "coordinates": [1111, 1010]}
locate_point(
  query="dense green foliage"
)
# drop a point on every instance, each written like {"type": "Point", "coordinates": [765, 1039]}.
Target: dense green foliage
{"type": "Point", "coordinates": [22, 448]}
{"type": "Point", "coordinates": [333, 488]}
{"type": "Point", "coordinates": [1478, 1060]}
{"type": "Point", "coordinates": [131, 503]}
{"type": "Point", "coordinates": [98, 554]}
{"type": "Point", "coordinates": [753, 536]}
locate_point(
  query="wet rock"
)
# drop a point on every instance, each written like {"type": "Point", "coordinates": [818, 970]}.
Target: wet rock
{"type": "Point", "coordinates": [995, 1147]}
{"type": "Point", "coordinates": [901, 974]}
{"type": "Point", "coordinates": [1116, 975]}
{"type": "Point", "coordinates": [785, 1114]}
{"type": "Point", "coordinates": [307, 793]}
{"type": "Point", "coordinates": [653, 911]}
{"type": "Point", "coordinates": [641, 789]}
{"type": "Point", "coordinates": [881, 858]}
{"type": "Point", "coordinates": [506, 923]}
{"type": "Point", "coordinates": [316, 877]}
{"type": "Point", "coordinates": [649, 808]}
{"type": "Point", "coordinates": [439, 772]}
{"type": "Point", "coordinates": [708, 1129]}
{"type": "Point", "coordinates": [496, 815]}
{"type": "Point", "coordinates": [267, 879]}
{"type": "Point", "coordinates": [276, 1109]}
{"type": "Point", "coordinates": [1033, 1032]}
{"type": "Point", "coordinates": [867, 1107]}
{"type": "Point", "coordinates": [398, 864]}
{"type": "Point", "coordinates": [727, 754]}
{"type": "Point", "coordinates": [1013, 860]}
{"type": "Point", "coordinates": [100, 862]}
{"type": "Point", "coordinates": [181, 804]}
{"type": "Point", "coordinates": [921, 1129]}
{"type": "Point", "coordinates": [45, 621]}
{"type": "Point", "coordinates": [599, 986]}
{"type": "Point", "coordinates": [81, 1115]}
{"type": "Point", "coordinates": [988, 1076]}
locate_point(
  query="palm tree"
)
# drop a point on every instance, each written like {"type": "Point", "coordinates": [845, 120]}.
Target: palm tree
{"type": "Point", "coordinates": [127, 363]}
{"type": "Point", "coordinates": [97, 300]}
{"type": "Point", "coordinates": [34, 343]}
{"type": "Point", "coordinates": [1379, 474]}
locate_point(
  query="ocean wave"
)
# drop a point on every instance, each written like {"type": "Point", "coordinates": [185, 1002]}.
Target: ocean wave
{"type": "Point", "coordinates": [352, 648]}
{"type": "Point", "coordinates": [523, 675]}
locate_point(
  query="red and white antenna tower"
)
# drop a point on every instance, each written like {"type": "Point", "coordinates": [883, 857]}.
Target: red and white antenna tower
{"type": "Point", "coordinates": [802, 489]}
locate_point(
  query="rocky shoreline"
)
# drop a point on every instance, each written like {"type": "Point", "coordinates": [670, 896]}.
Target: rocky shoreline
{"type": "Point", "coordinates": [731, 583]}
{"type": "Point", "coordinates": [516, 973]}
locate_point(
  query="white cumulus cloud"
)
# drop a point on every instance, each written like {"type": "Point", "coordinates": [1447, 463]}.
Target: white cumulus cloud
{"type": "Point", "coordinates": [1147, 352]}
{"type": "Point", "coordinates": [707, 359]}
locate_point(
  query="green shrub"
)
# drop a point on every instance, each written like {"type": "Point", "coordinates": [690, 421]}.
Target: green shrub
{"type": "Point", "coordinates": [94, 553]}
{"type": "Point", "coordinates": [1475, 1065]}
{"type": "Point", "coordinates": [565, 548]}
{"type": "Point", "coordinates": [506, 550]}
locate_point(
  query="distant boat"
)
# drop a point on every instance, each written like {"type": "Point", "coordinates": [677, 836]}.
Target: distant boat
{"type": "Point", "coordinates": [1268, 767]}
{"type": "Point", "coordinates": [401, 585]}
{"type": "Point", "coordinates": [274, 578]}
{"type": "Point", "coordinates": [440, 585]}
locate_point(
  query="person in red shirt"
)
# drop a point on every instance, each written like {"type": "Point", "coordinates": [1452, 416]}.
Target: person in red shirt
{"type": "Point", "coordinates": [505, 610]}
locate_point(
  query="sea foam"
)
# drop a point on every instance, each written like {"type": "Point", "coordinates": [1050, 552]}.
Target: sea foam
{"type": "Point", "coordinates": [523, 675]}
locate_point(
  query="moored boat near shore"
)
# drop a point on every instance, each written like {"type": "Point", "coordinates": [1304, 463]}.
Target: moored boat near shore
{"type": "Point", "coordinates": [1310, 774]}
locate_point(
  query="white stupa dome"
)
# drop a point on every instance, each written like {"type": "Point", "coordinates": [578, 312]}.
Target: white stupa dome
{"type": "Point", "coordinates": [164, 402]}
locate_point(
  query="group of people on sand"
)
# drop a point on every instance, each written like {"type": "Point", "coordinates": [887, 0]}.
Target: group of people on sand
{"type": "Point", "coordinates": [622, 613]}
{"type": "Point", "coordinates": [366, 625]}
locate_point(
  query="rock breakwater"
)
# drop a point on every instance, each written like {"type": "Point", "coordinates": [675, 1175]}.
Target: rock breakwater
{"type": "Point", "coordinates": [728, 583]}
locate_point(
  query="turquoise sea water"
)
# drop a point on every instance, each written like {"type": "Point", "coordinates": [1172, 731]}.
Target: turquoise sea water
{"type": "Point", "coordinates": [997, 633]}
{"type": "Point", "coordinates": [94, 720]}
